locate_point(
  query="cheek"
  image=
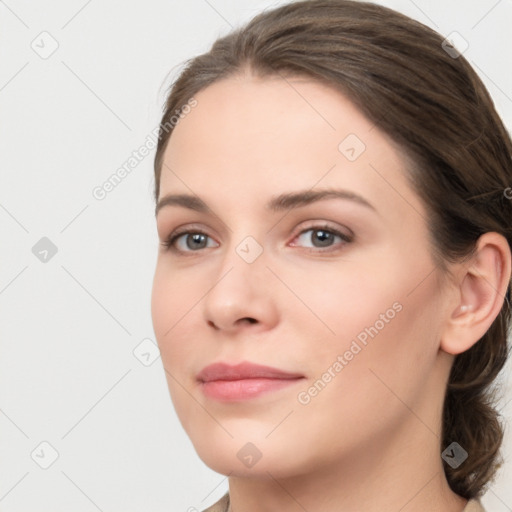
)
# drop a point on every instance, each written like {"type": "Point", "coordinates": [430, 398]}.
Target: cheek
{"type": "Point", "coordinates": [172, 296]}
{"type": "Point", "coordinates": [161, 308]}
{"type": "Point", "coordinates": [349, 302]}
{"type": "Point", "coordinates": [386, 335]}
{"type": "Point", "coordinates": [376, 385]}
{"type": "Point", "coordinates": [170, 306]}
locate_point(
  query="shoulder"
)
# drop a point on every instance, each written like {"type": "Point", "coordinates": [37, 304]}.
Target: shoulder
{"type": "Point", "coordinates": [474, 506]}
{"type": "Point", "coordinates": [222, 505]}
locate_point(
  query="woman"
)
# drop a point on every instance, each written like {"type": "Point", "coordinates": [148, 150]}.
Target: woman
{"type": "Point", "coordinates": [330, 295]}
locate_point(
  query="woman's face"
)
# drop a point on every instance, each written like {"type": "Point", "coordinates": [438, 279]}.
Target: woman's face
{"type": "Point", "coordinates": [340, 293]}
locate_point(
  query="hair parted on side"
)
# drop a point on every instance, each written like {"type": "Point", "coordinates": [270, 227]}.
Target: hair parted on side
{"type": "Point", "coordinates": [437, 110]}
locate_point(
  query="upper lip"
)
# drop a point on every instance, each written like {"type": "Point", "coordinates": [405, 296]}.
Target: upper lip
{"type": "Point", "coordinates": [244, 370]}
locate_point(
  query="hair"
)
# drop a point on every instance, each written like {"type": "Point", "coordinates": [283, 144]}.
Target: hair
{"type": "Point", "coordinates": [435, 108]}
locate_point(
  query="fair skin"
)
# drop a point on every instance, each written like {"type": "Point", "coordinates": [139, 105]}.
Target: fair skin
{"type": "Point", "coordinates": [370, 439]}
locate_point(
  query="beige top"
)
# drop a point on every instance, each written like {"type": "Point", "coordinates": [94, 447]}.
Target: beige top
{"type": "Point", "coordinates": [222, 505]}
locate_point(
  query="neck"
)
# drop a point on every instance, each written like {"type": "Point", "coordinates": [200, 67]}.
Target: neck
{"type": "Point", "coordinates": [402, 472]}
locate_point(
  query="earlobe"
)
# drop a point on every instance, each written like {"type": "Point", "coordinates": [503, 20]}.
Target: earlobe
{"type": "Point", "coordinates": [482, 285]}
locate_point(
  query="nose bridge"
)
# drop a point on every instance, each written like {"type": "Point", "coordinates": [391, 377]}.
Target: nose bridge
{"type": "Point", "coordinates": [244, 243]}
{"type": "Point", "coordinates": [241, 286]}
{"type": "Point", "coordinates": [249, 250]}
{"type": "Point", "coordinates": [243, 264]}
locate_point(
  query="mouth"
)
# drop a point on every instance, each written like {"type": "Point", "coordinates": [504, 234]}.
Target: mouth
{"type": "Point", "coordinates": [224, 382]}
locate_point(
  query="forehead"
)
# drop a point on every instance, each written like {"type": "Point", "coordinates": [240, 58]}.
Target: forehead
{"type": "Point", "coordinates": [251, 138]}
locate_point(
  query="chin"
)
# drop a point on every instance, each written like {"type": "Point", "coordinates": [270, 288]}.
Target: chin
{"type": "Point", "coordinates": [242, 457]}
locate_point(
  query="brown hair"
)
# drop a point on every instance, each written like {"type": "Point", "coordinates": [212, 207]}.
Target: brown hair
{"type": "Point", "coordinates": [434, 106]}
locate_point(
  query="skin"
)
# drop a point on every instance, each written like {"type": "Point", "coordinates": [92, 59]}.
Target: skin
{"type": "Point", "coordinates": [370, 439]}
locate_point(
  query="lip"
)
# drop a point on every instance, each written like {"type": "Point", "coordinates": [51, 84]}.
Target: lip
{"type": "Point", "coordinates": [243, 381]}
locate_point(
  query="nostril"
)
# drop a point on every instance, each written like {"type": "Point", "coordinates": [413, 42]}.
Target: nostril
{"type": "Point", "coordinates": [246, 319]}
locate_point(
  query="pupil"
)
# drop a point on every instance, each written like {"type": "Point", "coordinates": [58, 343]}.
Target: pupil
{"type": "Point", "coordinates": [323, 236]}
{"type": "Point", "coordinates": [197, 237]}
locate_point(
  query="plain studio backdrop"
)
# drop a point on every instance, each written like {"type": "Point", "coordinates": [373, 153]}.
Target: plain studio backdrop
{"type": "Point", "coordinates": [86, 422]}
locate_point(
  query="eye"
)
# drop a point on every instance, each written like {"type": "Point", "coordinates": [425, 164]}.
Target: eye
{"type": "Point", "coordinates": [322, 236]}
{"type": "Point", "coordinates": [187, 241]}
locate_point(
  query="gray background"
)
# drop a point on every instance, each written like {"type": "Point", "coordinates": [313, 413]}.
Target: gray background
{"type": "Point", "coordinates": [69, 326]}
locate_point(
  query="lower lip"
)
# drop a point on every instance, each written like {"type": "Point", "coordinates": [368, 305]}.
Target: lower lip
{"type": "Point", "coordinates": [243, 389]}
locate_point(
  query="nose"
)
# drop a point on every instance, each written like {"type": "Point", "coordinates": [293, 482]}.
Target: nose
{"type": "Point", "coordinates": [241, 296]}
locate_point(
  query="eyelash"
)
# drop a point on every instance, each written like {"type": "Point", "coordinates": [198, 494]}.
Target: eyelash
{"type": "Point", "coordinates": [169, 243]}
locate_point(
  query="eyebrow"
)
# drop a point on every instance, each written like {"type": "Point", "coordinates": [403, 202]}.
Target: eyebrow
{"type": "Point", "coordinates": [278, 203]}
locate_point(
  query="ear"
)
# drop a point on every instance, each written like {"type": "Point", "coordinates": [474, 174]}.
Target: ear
{"type": "Point", "coordinates": [481, 290]}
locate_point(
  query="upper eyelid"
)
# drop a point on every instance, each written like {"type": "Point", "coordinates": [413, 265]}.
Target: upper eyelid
{"type": "Point", "coordinates": [318, 224]}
